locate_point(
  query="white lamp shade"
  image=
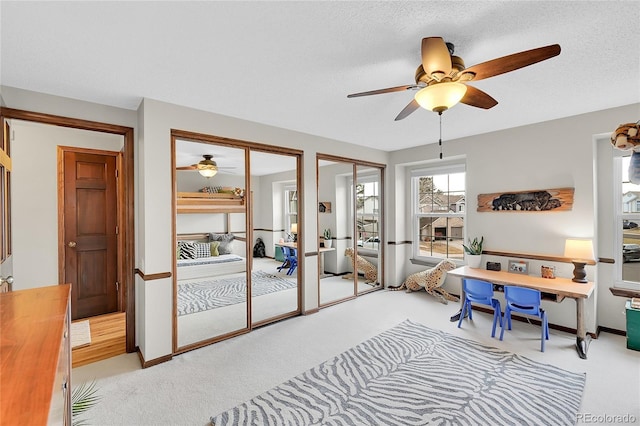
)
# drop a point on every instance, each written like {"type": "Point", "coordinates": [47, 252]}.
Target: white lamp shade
{"type": "Point", "coordinates": [577, 249]}
{"type": "Point", "coordinates": [208, 172]}
{"type": "Point", "coordinates": [440, 96]}
{"type": "Point", "coordinates": [294, 228]}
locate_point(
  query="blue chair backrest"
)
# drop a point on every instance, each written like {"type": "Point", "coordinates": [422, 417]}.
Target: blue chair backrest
{"type": "Point", "coordinates": [293, 253]}
{"type": "Point", "coordinates": [525, 300]}
{"type": "Point", "coordinates": [477, 290]}
{"type": "Point", "coordinates": [285, 251]}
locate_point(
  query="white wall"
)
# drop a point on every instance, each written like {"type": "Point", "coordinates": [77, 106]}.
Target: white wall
{"type": "Point", "coordinates": [545, 155]}
{"type": "Point", "coordinates": [334, 183]}
{"type": "Point", "coordinates": [553, 154]}
{"type": "Point", "coordinates": [268, 208]}
{"type": "Point", "coordinates": [34, 197]}
{"type": "Point", "coordinates": [155, 224]}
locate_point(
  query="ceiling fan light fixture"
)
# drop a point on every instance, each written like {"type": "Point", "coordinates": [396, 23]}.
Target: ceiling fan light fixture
{"type": "Point", "coordinates": [207, 167]}
{"type": "Point", "coordinates": [208, 172]}
{"type": "Point", "coordinates": [441, 96]}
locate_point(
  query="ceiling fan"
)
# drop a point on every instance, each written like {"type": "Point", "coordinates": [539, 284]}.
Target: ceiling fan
{"type": "Point", "coordinates": [206, 167]}
{"type": "Point", "coordinates": [441, 79]}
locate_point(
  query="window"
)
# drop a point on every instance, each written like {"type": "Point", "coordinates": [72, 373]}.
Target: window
{"type": "Point", "coordinates": [439, 201]}
{"type": "Point", "coordinates": [290, 207]}
{"type": "Point", "coordinates": [628, 224]}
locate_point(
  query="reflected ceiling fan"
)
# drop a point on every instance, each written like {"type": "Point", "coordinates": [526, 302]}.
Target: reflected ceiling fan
{"type": "Point", "coordinates": [441, 79]}
{"type": "Point", "coordinates": [207, 167]}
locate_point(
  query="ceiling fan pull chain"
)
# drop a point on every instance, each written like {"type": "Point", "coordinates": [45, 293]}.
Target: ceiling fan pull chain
{"type": "Point", "coordinates": [440, 140]}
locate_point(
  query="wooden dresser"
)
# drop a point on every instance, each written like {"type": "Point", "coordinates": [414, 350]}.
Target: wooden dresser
{"type": "Point", "coordinates": [35, 352]}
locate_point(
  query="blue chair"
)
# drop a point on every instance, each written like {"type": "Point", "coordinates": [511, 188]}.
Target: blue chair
{"type": "Point", "coordinates": [293, 260]}
{"type": "Point", "coordinates": [477, 291]}
{"type": "Point", "coordinates": [286, 255]}
{"type": "Point", "coordinates": [526, 301]}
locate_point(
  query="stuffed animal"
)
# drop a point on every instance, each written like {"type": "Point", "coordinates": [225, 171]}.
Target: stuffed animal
{"type": "Point", "coordinates": [431, 280]}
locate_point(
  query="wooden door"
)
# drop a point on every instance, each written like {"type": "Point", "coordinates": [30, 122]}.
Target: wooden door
{"type": "Point", "coordinates": [90, 232]}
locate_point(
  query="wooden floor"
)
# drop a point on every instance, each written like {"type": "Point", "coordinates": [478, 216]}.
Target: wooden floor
{"type": "Point", "coordinates": [108, 339]}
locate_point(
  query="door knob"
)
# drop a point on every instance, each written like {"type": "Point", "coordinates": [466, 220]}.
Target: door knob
{"type": "Point", "coordinates": [72, 243]}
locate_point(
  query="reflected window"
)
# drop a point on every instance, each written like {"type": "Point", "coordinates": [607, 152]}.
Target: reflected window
{"type": "Point", "coordinates": [439, 201]}
{"type": "Point", "coordinates": [628, 220]}
{"type": "Point", "coordinates": [291, 207]}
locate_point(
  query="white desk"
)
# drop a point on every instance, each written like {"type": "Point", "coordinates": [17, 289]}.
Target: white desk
{"type": "Point", "coordinates": [321, 252]}
{"type": "Point", "coordinates": [560, 287]}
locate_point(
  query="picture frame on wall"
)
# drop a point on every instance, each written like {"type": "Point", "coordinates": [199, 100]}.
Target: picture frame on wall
{"type": "Point", "coordinates": [519, 267]}
{"type": "Point", "coordinates": [324, 207]}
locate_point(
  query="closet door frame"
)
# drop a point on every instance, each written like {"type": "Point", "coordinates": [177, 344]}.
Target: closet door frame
{"type": "Point", "coordinates": [248, 147]}
{"type": "Point", "coordinates": [354, 163]}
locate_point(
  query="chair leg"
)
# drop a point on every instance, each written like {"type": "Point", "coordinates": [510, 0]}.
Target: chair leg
{"type": "Point", "coordinates": [546, 325]}
{"type": "Point", "coordinates": [498, 309]}
{"type": "Point", "coordinates": [542, 333]}
{"type": "Point", "coordinates": [496, 314]}
{"type": "Point", "coordinates": [293, 268]}
{"type": "Point", "coordinates": [506, 320]}
{"type": "Point", "coordinates": [464, 306]}
{"type": "Point", "coordinates": [545, 331]}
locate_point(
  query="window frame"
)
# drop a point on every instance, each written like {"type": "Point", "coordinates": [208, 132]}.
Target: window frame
{"type": "Point", "coordinates": [427, 171]}
{"type": "Point", "coordinates": [618, 217]}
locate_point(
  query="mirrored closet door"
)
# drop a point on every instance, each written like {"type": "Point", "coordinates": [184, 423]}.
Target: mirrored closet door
{"type": "Point", "coordinates": [211, 241]}
{"type": "Point", "coordinates": [274, 271]}
{"type": "Point", "coordinates": [237, 263]}
{"type": "Point", "coordinates": [350, 219]}
{"type": "Point", "coordinates": [368, 227]}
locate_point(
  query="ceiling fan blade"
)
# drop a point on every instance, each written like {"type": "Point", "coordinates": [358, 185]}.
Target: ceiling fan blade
{"type": "Point", "coordinates": [191, 167]}
{"type": "Point", "coordinates": [435, 56]}
{"type": "Point", "coordinates": [512, 62]}
{"type": "Point", "coordinates": [413, 105]}
{"type": "Point", "coordinates": [381, 91]}
{"type": "Point", "coordinates": [478, 98]}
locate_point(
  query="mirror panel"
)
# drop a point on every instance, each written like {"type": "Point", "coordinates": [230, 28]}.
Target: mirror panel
{"type": "Point", "coordinates": [368, 231]}
{"type": "Point", "coordinates": [274, 272]}
{"type": "Point", "coordinates": [211, 243]}
{"type": "Point", "coordinates": [334, 213]}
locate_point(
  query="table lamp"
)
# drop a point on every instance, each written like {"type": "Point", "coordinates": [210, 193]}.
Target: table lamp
{"type": "Point", "coordinates": [580, 252]}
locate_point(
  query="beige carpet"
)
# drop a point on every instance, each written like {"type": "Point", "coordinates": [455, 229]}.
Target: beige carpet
{"type": "Point", "coordinates": [80, 334]}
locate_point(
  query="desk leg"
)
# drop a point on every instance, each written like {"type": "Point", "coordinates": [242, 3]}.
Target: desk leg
{"type": "Point", "coordinates": [581, 333]}
{"type": "Point", "coordinates": [321, 265]}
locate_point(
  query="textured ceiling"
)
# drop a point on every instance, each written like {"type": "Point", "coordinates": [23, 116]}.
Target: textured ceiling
{"type": "Point", "coordinates": [291, 64]}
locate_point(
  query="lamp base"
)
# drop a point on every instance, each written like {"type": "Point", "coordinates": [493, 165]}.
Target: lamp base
{"type": "Point", "coordinates": [579, 273]}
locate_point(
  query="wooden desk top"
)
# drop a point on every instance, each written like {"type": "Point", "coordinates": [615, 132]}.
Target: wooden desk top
{"type": "Point", "coordinates": [32, 327]}
{"type": "Point", "coordinates": [289, 244]}
{"type": "Point", "coordinates": [560, 286]}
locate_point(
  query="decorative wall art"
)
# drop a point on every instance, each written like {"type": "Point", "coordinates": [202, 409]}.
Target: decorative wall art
{"type": "Point", "coordinates": [519, 267]}
{"type": "Point", "coordinates": [541, 200]}
{"type": "Point", "coordinates": [324, 207]}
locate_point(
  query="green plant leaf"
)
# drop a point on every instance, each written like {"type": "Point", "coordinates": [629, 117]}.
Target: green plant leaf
{"type": "Point", "coordinates": [474, 247]}
{"type": "Point", "coordinates": [83, 398]}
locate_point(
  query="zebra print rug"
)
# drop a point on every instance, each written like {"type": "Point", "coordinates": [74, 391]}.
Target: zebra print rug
{"type": "Point", "coordinates": [198, 296]}
{"type": "Point", "coordinates": [413, 375]}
